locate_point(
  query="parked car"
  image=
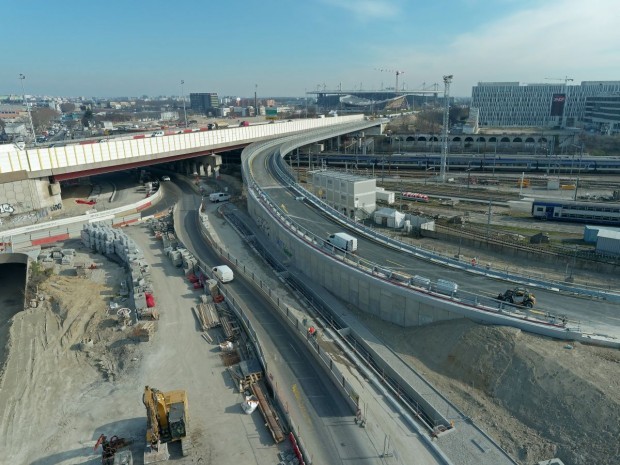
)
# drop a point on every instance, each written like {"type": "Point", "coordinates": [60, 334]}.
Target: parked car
{"type": "Point", "coordinates": [165, 178]}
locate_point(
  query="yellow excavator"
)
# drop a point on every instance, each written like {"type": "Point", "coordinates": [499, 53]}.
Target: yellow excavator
{"type": "Point", "coordinates": [167, 421]}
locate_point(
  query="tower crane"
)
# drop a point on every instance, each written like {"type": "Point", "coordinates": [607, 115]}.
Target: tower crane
{"type": "Point", "coordinates": [566, 79]}
{"type": "Point", "coordinates": [397, 72]}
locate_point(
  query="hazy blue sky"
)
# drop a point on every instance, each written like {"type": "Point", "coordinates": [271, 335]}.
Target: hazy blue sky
{"type": "Point", "coordinates": [135, 47]}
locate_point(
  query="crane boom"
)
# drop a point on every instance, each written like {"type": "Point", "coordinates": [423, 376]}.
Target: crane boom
{"type": "Point", "coordinates": [566, 79]}
{"type": "Point", "coordinates": [395, 71]}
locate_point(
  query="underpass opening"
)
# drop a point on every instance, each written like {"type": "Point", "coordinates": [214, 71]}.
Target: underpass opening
{"type": "Point", "coordinates": [13, 272]}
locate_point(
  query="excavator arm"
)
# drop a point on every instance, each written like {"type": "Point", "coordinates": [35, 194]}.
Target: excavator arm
{"type": "Point", "coordinates": [153, 423]}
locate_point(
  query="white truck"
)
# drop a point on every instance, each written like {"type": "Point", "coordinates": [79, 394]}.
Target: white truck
{"type": "Point", "coordinates": [219, 197]}
{"type": "Point", "coordinates": [343, 241]}
{"type": "Point", "coordinates": [223, 273]}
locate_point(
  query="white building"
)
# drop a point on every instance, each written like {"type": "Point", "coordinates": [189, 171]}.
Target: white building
{"type": "Point", "coordinates": [352, 195]}
{"type": "Point", "coordinates": [169, 115]}
{"type": "Point", "coordinates": [515, 104]}
{"type": "Point", "coordinates": [16, 129]}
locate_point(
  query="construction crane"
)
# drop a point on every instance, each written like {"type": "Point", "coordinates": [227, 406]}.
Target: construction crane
{"type": "Point", "coordinates": [444, 133]}
{"type": "Point", "coordinates": [566, 79]}
{"type": "Point", "coordinates": [397, 72]}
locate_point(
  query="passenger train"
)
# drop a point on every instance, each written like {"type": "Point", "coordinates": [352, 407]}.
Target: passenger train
{"type": "Point", "coordinates": [577, 212]}
{"type": "Point", "coordinates": [489, 163]}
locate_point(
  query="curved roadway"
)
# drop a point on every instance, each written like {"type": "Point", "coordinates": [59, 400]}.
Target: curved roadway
{"type": "Point", "coordinates": [324, 418]}
{"type": "Point", "coordinates": [597, 316]}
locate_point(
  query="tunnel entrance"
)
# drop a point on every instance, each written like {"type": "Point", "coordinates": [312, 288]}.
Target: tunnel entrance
{"type": "Point", "coordinates": [12, 288]}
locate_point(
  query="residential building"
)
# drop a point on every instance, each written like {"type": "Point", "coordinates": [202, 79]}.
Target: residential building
{"type": "Point", "coordinates": [516, 104]}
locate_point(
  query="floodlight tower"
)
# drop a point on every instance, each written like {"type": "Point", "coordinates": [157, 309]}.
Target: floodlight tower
{"type": "Point", "coordinates": [446, 120]}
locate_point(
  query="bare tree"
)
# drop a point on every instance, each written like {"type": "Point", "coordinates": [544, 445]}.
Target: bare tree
{"type": "Point", "coordinates": [42, 117]}
{"type": "Point", "coordinates": [67, 107]}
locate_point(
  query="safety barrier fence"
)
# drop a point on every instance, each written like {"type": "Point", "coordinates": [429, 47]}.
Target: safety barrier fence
{"type": "Point", "coordinates": [68, 228]}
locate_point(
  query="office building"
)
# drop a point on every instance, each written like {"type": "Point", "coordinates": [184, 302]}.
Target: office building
{"type": "Point", "coordinates": [603, 113]}
{"type": "Point", "coordinates": [539, 105]}
{"type": "Point", "coordinates": [204, 102]}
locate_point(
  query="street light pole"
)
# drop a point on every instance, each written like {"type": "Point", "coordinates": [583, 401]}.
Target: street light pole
{"type": "Point", "coordinates": [34, 137]}
{"type": "Point", "coordinates": [183, 97]}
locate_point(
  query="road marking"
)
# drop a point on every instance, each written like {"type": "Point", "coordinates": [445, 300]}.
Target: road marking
{"type": "Point", "coordinates": [283, 207]}
{"type": "Point", "coordinates": [293, 349]}
{"type": "Point", "coordinates": [399, 264]}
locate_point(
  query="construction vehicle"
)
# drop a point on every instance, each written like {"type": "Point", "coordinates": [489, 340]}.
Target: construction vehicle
{"type": "Point", "coordinates": [167, 421]}
{"type": "Point", "coordinates": [518, 296]}
{"type": "Point", "coordinates": [115, 451]}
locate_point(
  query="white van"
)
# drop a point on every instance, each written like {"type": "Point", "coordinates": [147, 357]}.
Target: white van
{"type": "Point", "coordinates": [219, 197]}
{"type": "Point", "coordinates": [223, 273]}
{"type": "Point", "coordinates": [158, 134]}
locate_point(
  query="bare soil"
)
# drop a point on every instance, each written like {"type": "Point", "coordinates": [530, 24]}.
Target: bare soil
{"type": "Point", "coordinates": [539, 398]}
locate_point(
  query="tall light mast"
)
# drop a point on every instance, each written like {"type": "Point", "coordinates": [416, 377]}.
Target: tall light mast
{"type": "Point", "coordinates": [446, 120]}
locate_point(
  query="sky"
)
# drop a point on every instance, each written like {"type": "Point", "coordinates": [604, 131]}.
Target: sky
{"type": "Point", "coordinates": [287, 47]}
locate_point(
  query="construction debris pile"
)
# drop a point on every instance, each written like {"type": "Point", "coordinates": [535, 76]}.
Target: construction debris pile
{"type": "Point", "coordinates": [116, 245]}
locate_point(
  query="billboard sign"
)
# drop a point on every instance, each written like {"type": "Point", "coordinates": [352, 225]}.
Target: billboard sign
{"type": "Point", "coordinates": [557, 104]}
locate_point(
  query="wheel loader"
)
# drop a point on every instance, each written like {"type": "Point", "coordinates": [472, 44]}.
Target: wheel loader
{"type": "Point", "coordinates": [518, 296]}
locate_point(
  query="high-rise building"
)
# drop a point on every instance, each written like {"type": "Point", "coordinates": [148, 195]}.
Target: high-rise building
{"type": "Point", "coordinates": [204, 102]}
{"type": "Point", "coordinates": [515, 104]}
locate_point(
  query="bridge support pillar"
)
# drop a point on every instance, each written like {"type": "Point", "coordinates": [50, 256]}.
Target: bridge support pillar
{"type": "Point", "coordinates": [214, 162]}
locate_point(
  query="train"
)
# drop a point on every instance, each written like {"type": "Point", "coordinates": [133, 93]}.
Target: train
{"type": "Point", "coordinates": [577, 212]}
{"type": "Point", "coordinates": [488, 163]}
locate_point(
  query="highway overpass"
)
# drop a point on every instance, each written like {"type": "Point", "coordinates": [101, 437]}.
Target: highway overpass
{"type": "Point", "coordinates": [30, 178]}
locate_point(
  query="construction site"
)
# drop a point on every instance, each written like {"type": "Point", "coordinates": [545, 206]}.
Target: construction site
{"type": "Point", "coordinates": [126, 353]}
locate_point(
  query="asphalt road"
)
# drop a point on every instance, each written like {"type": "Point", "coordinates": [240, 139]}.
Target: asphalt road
{"type": "Point", "coordinates": [596, 316]}
{"type": "Point", "coordinates": [323, 417]}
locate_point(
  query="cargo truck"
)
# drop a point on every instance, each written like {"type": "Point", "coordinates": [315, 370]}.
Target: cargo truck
{"type": "Point", "coordinates": [343, 241]}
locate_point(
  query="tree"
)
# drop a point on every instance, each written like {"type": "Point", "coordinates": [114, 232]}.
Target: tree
{"type": "Point", "coordinates": [42, 117]}
{"type": "Point", "coordinates": [87, 117]}
{"type": "Point", "coordinates": [67, 107]}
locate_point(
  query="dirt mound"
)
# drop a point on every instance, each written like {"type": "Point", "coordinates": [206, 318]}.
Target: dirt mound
{"type": "Point", "coordinates": [539, 398]}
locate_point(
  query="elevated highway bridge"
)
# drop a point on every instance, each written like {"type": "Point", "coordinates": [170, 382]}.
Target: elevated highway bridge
{"type": "Point", "coordinates": [30, 178]}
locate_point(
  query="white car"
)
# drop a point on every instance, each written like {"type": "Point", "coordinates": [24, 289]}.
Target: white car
{"type": "Point", "coordinates": [165, 178]}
